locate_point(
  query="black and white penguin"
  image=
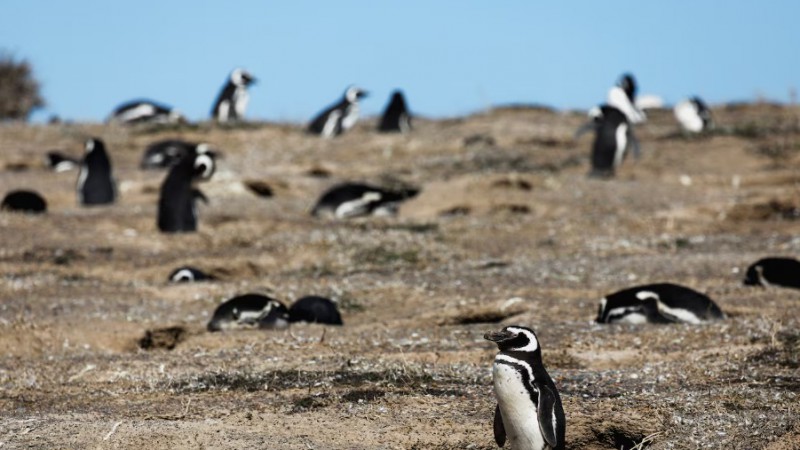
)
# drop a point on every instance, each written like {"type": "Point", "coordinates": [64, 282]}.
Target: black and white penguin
{"type": "Point", "coordinates": [693, 115]}
{"type": "Point", "coordinates": [613, 136]}
{"type": "Point", "coordinates": [145, 111]}
{"type": "Point", "coordinates": [232, 100]}
{"type": "Point", "coordinates": [623, 97]}
{"type": "Point", "coordinates": [24, 201]}
{"type": "Point", "coordinates": [529, 413]}
{"type": "Point", "coordinates": [166, 153]}
{"type": "Point", "coordinates": [774, 271]}
{"type": "Point", "coordinates": [658, 303]}
{"type": "Point", "coordinates": [188, 274]}
{"type": "Point", "coordinates": [396, 117]}
{"type": "Point", "coordinates": [96, 184]}
{"type": "Point", "coordinates": [348, 200]}
{"type": "Point", "coordinates": [339, 117]}
{"type": "Point", "coordinates": [59, 162]}
{"type": "Point", "coordinates": [177, 203]}
{"type": "Point", "coordinates": [315, 310]}
{"type": "Point", "coordinates": [249, 311]}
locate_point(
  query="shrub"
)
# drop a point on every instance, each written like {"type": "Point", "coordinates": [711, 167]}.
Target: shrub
{"type": "Point", "coordinates": [19, 91]}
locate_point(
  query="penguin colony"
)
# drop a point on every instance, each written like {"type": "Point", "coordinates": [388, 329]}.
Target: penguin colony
{"type": "Point", "coordinates": [529, 412]}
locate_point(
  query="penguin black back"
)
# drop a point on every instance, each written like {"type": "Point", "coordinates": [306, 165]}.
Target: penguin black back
{"type": "Point", "coordinates": [658, 303]}
{"type": "Point", "coordinates": [774, 271]}
{"type": "Point", "coordinates": [177, 210]}
{"type": "Point", "coordinates": [612, 133]}
{"type": "Point", "coordinates": [249, 311]}
{"type": "Point", "coordinates": [96, 184]}
{"type": "Point", "coordinates": [24, 201]}
{"type": "Point", "coordinates": [315, 310]}
{"type": "Point", "coordinates": [357, 199]}
{"type": "Point", "coordinates": [396, 117]}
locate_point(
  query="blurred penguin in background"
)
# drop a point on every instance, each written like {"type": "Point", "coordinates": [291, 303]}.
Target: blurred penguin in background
{"type": "Point", "coordinates": [396, 117]}
{"type": "Point", "coordinates": [232, 101]}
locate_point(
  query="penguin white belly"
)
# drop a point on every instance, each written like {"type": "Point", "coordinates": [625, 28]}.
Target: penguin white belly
{"type": "Point", "coordinates": [329, 129]}
{"type": "Point", "coordinates": [240, 100]}
{"type": "Point", "coordinates": [520, 418]}
{"type": "Point", "coordinates": [224, 111]}
{"type": "Point", "coordinates": [687, 116]}
{"type": "Point", "coordinates": [350, 117]}
{"type": "Point", "coordinates": [622, 142]}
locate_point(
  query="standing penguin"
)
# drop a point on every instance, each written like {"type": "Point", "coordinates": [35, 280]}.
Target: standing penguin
{"type": "Point", "coordinates": [529, 412]}
{"type": "Point", "coordinates": [339, 117]}
{"type": "Point", "coordinates": [623, 97]}
{"type": "Point", "coordinates": [396, 117]}
{"type": "Point", "coordinates": [613, 134]}
{"type": "Point", "coordinates": [95, 181]}
{"type": "Point", "coordinates": [232, 100]}
{"type": "Point", "coordinates": [177, 208]}
{"type": "Point", "coordinates": [693, 115]}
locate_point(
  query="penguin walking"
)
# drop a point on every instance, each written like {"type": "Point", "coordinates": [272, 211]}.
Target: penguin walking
{"type": "Point", "coordinates": [623, 97]}
{"type": "Point", "coordinates": [396, 117]}
{"type": "Point", "coordinates": [529, 413]}
{"type": "Point", "coordinates": [249, 311]}
{"type": "Point", "coordinates": [96, 185]}
{"type": "Point", "coordinates": [59, 162]}
{"type": "Point", "coordinates": [145, 111]}
{"type": "Point", "coordinates": [339, 117]}
{"type": "Point", "coordinates": [774, 271]}
{"type": "Point", "coordinates": [613, 136]}
{"type": "Point", "coordinates": [24, 201]}
{"type": "Point", "coordinates": [349, 200]}
{"type": "Point", "coordinates": [188, 274]}
{"type": "Point", "coordinates": [177, 204]}
{"type": "Point", "coordinates": [232, 100]}
{"type": "Point", "coordinates": [693, 115]}
{"type": "Point", "coordinates": [315, 309]}
{"type": "Point", "coordinates": [658, 303]}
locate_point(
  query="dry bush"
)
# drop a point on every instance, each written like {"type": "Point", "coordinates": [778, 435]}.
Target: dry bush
{"type": "Point", "coordinates": [19, 91]}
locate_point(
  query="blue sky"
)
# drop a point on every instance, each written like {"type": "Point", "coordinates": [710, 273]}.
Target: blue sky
{"type": "Point", "coordinates": [450, 57]}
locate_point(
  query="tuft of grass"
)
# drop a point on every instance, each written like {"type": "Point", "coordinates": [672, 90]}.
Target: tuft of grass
{"type": "Point", "coordinates": [383, 256]}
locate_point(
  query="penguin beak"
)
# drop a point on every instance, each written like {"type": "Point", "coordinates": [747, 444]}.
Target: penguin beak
{"type": "Point", "coordinates": [362, 94]}
{"type": "Point", "coordinates": [499, 336]}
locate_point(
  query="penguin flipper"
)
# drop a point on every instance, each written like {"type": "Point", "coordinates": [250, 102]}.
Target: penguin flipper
{"type": "Point", "coordinates": [499, 428]}
{"type": "Point", "coordinates": [547, 415]}
{"type": "Point", "coordinates": [198, 194]}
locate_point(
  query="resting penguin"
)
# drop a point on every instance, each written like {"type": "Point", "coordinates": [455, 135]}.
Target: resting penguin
{"type": "Point", "coordinates": [177, 203]}
{"type": "Point", "coordinates": [613, 135]}
{"type": "Point", "coordinates": [315, 310]}
{"type": "Point", "coordinates": [96, 184]}
{"type": "Point", "coordinates": [774, 271]}
{"type": "Point", "coordinates": [339, 117]}
{"type": "Point", "coordinates": [658, 303]}
{"type": "Point", "coordinates": [60, 162]}
{"type": "Point", "coordinates": [164, 154]}
{"type": "Point", "coordinates": [693, 115]}
{"type": "Point", "coordinates": [145, 111]}
{"type": "Point", "coordinates": [232, 100]}
{"type": "Point", "coordinates": [186, 274]}
{"type": "Point", "coordinates": [348, 200]}
{"type": "Point", "coordinates": [24, 201]}
{"type": "Point", "coordinates": [396, 117]}
{"type": "Point", "coordinates": [529, 412]}
{"type": "Point", "coordinates": [249, 311]}
{"type": "Point", "coordinates": [623, 97]}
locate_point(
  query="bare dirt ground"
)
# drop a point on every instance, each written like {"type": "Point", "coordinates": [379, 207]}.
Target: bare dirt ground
{"type": "Point", "coordinates": [505, 211]}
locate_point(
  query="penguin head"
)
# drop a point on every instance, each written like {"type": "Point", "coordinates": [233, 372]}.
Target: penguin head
{"type": "Point", "coordinates": [354, 94]}
{"type": "Point", "coordinates": [241, 77]}
{"type": "Point", "coordinates": [514, 339]}
{"type": "Point", "coordinates": [204, 164]}
{"type": "Point", "coordinates": [94, 144]}
{"type": "Point", "coordinates": [754, 275]}
{"type": "Point", "coordinates": [628, 84]}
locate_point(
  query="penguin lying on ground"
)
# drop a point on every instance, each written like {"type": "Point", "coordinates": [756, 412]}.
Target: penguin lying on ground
{"type": "Point", "coordinates": [166, 153]}
{"type": "Point", "coordinates": [348, 200]}
{"type": "Point", "coordinates": [658, 303]}
{"type": "Point", "coordinates": [529, 413]}
{"type": "Point", "coordinates": [186, 274]}
{"type": "Point", "coordinates": [774, 271]}
{"type": "Point", "coordinates": [613, 135]}
{"type": "Point", "coordinates": [396, 117]}
{"type": "Point", "coordinates": [693, 115]}
{"type": "Point", "coordinates": [145, 111]}
{"type": "Point", "coordinates": [177, 203]}
{"type": "Point", "coordinates": [96, 185]}
{"type": "Point", "coordinates": [259, 311]}
{"type": "Point", "coordinates": [232, 100]}
{"type": "Point", "coordinates": [60, 162]}
{"type": "Point", "coordinates": [24, 201]}
{"type": "Point", "coordinates": [339, 117]}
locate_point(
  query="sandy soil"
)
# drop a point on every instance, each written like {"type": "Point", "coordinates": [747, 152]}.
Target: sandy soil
{"type": "Point", "coordinates": [505, 211]}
